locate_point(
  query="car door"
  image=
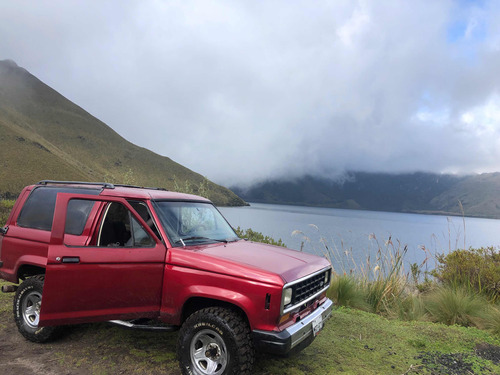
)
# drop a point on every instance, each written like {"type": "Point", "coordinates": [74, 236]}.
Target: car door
{"type": "Point", "coordinates": [117, 274]}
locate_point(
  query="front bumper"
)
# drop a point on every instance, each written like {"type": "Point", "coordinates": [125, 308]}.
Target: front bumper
{"type": "Point", "coordinates": [294, 338]}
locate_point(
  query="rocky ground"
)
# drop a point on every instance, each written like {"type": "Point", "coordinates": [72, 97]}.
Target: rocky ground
{"type": "Point", "coordinates": [436, 363]}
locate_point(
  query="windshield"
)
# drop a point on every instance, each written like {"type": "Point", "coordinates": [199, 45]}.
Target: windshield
{"type": "Point", "coordinates": [189, 223]}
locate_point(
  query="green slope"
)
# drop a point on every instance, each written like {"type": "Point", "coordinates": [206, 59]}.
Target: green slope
{"type": "Point", "coordinates": [43, 135]}
{"type": "Point", "coordinates": [479, 196]}
{"type": "Point", "coordinates": [474, 195]}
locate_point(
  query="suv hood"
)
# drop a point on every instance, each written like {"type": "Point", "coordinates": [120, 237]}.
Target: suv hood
{"type": "Point", "coordinates": [248, 259]}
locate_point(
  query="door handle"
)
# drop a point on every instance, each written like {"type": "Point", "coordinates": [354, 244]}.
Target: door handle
{"type": "Point", "coordinates": [71, 259]}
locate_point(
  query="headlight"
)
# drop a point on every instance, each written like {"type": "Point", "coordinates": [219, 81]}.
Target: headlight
{"type": "Point", "coordinates": [327, 276]}
{"type": "Point", "coordinates": [287, 296]}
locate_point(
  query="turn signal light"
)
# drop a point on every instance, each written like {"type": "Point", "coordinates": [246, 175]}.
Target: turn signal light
{"type": "Point", "coordinates": [284, 318]}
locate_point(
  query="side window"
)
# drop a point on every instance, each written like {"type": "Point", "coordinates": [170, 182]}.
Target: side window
{"type": "Point", "coordinates": [142, 209]}
{"type": "Point", "coordinates": [77, 215]}
{"type": "Point", "coordinates": [38, 211]}
{"type": "Point", "coordinates": [120, 229]}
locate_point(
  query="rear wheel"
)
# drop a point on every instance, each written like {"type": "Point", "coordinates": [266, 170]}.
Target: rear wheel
{"type": "Point", "coordinates": [27, 304]}
{"type": "Point", "coordinates": [215, 341]}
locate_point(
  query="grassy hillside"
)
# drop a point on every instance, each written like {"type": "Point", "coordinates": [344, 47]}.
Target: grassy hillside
{"type": "Point", "coordinates": [479, 195]}
{"type": "Point", "coordinates": [43, 135]}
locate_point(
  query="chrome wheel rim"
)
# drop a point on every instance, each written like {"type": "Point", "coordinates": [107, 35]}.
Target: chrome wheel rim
{"type": "Point", "coordinates": [31, 308]}
{"type": "Point", "coordinates": [208, 353]}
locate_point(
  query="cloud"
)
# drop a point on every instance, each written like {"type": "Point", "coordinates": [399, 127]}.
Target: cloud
{"type": "Point", "coordinates": [244, 91]}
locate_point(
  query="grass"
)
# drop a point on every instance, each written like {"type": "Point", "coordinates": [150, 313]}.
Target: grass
{"type": "Point", "coordinates": [347, 291]}
{"type": "Point", "coordinates": [353, 342]}
{"type": "Point", "coordinates": [492, 320]}
{"type": "Point", "coordinates": [379, 285]}
{"type": "Point", "coordinates": [454, 306]}
{"type": "Point", "coordinates": [463, 291]}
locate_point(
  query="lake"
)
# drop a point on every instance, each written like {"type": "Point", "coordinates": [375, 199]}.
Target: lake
{"type": "Point", "coordinates": [354, 235]}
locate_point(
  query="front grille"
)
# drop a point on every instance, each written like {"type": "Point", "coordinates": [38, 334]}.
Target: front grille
{"type": "Point", "coordinates": [305, 290]}
{"type": "Point", "coordinates": [308, 288]}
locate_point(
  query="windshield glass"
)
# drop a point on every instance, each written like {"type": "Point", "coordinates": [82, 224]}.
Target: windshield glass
{"type": "Point", "coordinates": [189, 223]}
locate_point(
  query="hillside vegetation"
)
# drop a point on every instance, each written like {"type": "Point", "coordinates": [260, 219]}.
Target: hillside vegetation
{"type": "Point", "coordinates": [43, 135]}
{"type": "Point", "coordinates": [475, 195]}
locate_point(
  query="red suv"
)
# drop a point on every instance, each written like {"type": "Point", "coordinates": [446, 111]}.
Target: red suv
{"type": "Point", "coordinates": [152, 259]}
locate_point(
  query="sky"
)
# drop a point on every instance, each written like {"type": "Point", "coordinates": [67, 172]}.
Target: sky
{"type": "Point", "coordinates": [244, 91]}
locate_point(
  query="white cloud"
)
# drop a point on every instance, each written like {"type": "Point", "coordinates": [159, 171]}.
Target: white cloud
{"type": "Point", "coordinates": [354, 26]}
{"type": "Point", "coordinates": [241, 91]}
{"type": "Point", "coordinates": [484, 119]}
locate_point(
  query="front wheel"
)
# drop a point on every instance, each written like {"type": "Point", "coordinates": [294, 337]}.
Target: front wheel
{"type": "Point", "coordinates": [215, 341]}
{"type": "Point", "coordinates": [27, 304]}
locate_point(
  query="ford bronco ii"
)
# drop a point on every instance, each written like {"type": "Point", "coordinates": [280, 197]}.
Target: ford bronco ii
{"type": "Point", "coordinates": [153, 259]}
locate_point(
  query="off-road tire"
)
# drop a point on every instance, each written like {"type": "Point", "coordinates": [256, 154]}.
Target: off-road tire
{"type": "Point", "coordinates": [215, 330]}
{"type": "Point", "coordinates": [27, 304]}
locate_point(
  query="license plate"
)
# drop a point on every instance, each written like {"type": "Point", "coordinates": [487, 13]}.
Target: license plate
{"type": "Point", "coordinates": [317, 325]}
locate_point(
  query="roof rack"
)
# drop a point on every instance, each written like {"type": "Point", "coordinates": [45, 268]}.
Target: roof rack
{"type": "Point", "coordinates": [105, 185]}
{"type": "Point", "coordinates": [140, 187]}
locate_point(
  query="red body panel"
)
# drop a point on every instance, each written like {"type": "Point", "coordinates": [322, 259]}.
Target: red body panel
{"type": "Point", "coordinates": [30, 247]}
{"type": "Point", "coordinates": [182, 284]}
{"type": "Point", "coordinates": [250, 260]}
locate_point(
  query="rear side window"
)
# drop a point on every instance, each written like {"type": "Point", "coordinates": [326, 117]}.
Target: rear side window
{"type": "Point", "coordinates": [77, 215]}
{"type": "Point", "coordinates": [38, 211]}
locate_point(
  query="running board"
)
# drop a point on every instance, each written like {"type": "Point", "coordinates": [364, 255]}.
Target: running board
{"type": "Point", "coordinates": [144, 327]}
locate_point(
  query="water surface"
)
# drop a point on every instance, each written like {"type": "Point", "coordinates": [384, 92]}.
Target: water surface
{"type": "Point", "coordinates": [355, 235]}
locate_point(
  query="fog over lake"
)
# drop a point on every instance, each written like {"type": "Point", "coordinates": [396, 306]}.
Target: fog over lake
{"type": "Point", "coordinates": [358, 234]}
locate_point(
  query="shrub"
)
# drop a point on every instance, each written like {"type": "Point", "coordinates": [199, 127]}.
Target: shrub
{"type": "Point", "coordinates": [252, 235]}
{"type": "Point", "coordinates": [451, 306]}
{"type": "Point", "coordinates": [202, 189]}
{"type": "Point", "coordinates": [5, 207]}
{"type": "Point", "coordinates": [474, 269]}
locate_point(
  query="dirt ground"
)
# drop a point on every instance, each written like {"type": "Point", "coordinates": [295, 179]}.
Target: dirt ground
{"type": "Point", "coordinates": [87, 349]}
{"type": "Point", "coordinates": [19, 356]}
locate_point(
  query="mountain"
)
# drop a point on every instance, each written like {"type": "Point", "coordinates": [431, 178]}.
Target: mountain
{"type": "Point", "coordinates": [43, 135]}
{"type": "Point", "coordinates": [475, 195]}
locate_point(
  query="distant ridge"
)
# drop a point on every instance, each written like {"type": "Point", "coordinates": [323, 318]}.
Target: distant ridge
{"type": "Point", "coordinates": [43, 135]}
{"type": "Point", "coordinates": [474, 195]}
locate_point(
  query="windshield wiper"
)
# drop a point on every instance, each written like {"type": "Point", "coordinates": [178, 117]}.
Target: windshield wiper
{"type": "Point", "coordinates": [195, 238]}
